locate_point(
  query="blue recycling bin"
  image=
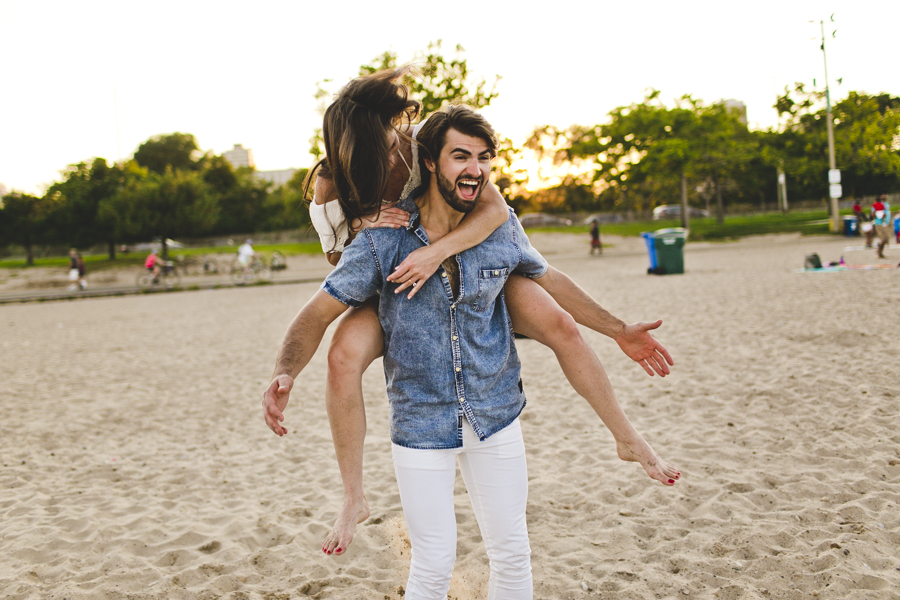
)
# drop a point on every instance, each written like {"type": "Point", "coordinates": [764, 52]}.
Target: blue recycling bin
{"type": "Point", "coordinates": [851, 226]}
{"type": "Point", "coordinates": [651, 249]}
{"type": "Point", "coordinates": [665, 248]}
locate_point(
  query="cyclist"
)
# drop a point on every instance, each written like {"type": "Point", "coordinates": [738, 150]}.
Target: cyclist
{"type": "Point", "coordinates": [246, 254]}
{"type": "Point", "coordinates": [154, 263]}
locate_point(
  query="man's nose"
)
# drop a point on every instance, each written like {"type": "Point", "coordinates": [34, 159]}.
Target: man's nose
{"type": "Point", "coordinates": [472, 168]}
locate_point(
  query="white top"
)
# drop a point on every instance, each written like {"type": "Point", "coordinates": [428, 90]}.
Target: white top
{"type": "Point", "coordinates": [328, 219]}
{"type": "Point", "coordinates": [245, 251]}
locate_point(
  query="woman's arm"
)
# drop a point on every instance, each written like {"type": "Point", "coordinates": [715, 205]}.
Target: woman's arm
{"type": "Point", "coordinates": [388, 217]}
{"type": "Point", "coordinates": [490, 213]}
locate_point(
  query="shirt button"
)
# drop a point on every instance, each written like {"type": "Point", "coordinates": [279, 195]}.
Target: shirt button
{"type": "Point", "coordinates": [458, 369]}
{"type": "Point", "coordinates": [496, 272]}
{"type": "Point", "coordinates": [462, 399]}
{"type": "Point", "coordinates": [443, 274]}
{"type": "Point", "coordinates": [455, 337]}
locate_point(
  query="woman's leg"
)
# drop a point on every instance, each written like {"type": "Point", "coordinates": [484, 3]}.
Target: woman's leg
{"type": "Point", "coordinates": [357, 341]}
{"type": "Point", "coordinates": [496, 477]}
{"type": "Point", "coordinates": [425, 479]}
{"type": "Point", "coordinates": [535, 314]}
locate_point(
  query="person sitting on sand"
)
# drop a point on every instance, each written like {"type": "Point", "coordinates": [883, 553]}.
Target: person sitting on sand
{"type": "Point", "coordinates": [371, 162]}
{"type": "Point", "coordinates": [453, 375]}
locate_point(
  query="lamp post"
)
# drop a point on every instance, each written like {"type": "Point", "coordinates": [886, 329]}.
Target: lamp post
{"type": "Point", "coordinates": [834, 176]}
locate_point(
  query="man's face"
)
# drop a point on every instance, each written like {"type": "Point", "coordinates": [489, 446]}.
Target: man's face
{"type": "Point", "coordinates": [462, 170]}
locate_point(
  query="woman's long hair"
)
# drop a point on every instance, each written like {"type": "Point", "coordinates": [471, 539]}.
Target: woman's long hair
{"type": "Point", "coordinates": [355, 131]}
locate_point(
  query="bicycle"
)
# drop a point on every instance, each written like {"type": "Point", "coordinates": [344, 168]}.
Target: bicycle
{"type": "Point", "coordinates": [168, 277]}
{"type": "Point", "coordinates": [257, 270]}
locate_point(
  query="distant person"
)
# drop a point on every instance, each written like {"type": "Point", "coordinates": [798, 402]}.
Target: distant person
{"type": "Point", "coordinates": [73, 269]}
{"type": "Point", "coordinates": [246, 254]}
{"type": "Point", "coordinates": [79, 264]}
{"type": "Point", "coordinates": [595, 237]}
{"type": "Point", "coordinates": [866, 226]}
{"type": "Point", "coordinates": [881, 211]}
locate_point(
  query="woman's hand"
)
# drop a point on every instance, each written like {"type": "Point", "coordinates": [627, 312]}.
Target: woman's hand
{"type": "Point", "coordinates": [415, 269]}
{"type": "Point", "coordinates": [392, 217]}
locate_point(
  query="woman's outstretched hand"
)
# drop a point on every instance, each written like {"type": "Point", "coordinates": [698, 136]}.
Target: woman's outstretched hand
{"type": "Point", "coordinates": [415, 269]}
{"type": "Point", "coordinates": [641, 347]}
{"type": "Point", "coordinates": [392, 217]}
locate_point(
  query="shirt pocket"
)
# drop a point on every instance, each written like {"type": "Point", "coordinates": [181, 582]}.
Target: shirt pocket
{"type": "Point", "coordinates": [490, 282]}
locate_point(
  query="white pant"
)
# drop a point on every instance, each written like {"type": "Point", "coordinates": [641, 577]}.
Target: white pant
{"type": "Point", "coordinates": [496, 477]}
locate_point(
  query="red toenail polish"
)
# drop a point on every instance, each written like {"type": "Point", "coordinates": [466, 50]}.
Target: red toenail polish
{"type": "Point", "coordinates": [671, 481]}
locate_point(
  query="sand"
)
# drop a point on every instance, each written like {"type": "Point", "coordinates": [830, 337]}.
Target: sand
{"type": "Point", "coordinates": [136, 464]}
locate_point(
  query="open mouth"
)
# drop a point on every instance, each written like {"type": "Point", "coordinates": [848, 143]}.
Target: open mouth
{"type": "Point", "coordinates": [468, 188]}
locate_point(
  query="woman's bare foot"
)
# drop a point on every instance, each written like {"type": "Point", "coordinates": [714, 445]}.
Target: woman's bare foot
{"type": "Point", "coordinates": [353, 512]}
{"type": "Point", "coordinates": [640, 451]}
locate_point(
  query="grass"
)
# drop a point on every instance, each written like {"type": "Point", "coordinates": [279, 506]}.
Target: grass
{"type": "Point", "coordinates": [101, 262]}
{"type": "Point", "coordinates": [736, 227]}
{"type": "Point", "coordinates": [805, 223]}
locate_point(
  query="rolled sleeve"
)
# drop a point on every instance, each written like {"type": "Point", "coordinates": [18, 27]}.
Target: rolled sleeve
{"type": "Point", "coordinates": [531, 263]}
{"type": "Point", "coordinates": [356, 278]}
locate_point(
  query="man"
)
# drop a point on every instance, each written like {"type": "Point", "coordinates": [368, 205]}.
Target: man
{"type": "Point", "coordinates": [450, 363]}
{"type": "Point", "coordinates": [882, 221]}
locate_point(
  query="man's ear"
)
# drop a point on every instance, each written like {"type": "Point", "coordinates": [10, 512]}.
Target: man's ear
{"type": "Point", "coordinates": [429, 164]}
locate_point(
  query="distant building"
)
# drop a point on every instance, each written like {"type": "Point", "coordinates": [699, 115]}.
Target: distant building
{"type": "Point", "coordinates": [279, 177]}
{"type": "Point", "coordinates": [239, 157]}
{"type": "Point", "coordinates": [739, 106]}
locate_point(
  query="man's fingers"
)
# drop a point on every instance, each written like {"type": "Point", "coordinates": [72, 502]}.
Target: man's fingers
{"type": "Point", "coordinates": [646, 367]}
{"type": "Point", "coordinates": [661, 349]}
{"type": "Point", "coordinates": [661, 369]}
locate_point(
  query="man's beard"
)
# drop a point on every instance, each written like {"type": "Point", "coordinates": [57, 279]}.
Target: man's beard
{"type": "Point", "coordinates": [451, 197]}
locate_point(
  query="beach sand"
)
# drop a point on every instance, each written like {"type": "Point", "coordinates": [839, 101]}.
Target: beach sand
{"type": "Point", "coordinates": [136, 464]}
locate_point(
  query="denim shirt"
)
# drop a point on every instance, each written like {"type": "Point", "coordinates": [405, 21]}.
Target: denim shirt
{"type": "Point", "coordinates": [445, 358]}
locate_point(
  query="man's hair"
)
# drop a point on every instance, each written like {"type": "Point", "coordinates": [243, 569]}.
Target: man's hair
{"type": "Point", "coordinates": [354, 130]}
{"type": "Point", "coordinates": [433, 134]}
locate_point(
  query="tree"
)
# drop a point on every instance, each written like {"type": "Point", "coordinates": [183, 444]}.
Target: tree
{"type": "Point", "coordinates": [241, 196]}
{"type": "Point", "coordinates": [637, 159]}
{"type": "Point", "coordinates": [174, 204]}
{"type": "Point", "coordinates": [23, 221]}
{"type": "Point", "coordinates": [285, 206]}
{"type": "Point", "coordinates": [80, 194]}
{"type": "Point", "coordinates": [866, 135]}
{"type": "Point", "coordinates": [174, 150]}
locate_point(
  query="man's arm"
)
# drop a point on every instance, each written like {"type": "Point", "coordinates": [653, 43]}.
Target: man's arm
{"type": "Point", "coordinates": [299, 345]}
{"type": "Point", "coordinates": [490, 213]}
{"type": "Point", "coordinates": [634, 340]}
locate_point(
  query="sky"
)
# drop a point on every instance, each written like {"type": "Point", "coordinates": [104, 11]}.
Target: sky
{"type": "Point", "coordinates": [97, 78]}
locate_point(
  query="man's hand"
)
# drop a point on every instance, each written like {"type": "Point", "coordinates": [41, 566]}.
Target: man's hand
{"type": "Point", "coordinates": [275, 399]}
{"type": "Point", "coordinates": [416, 268]}
{"type": "Point", "coordinates": [636, 342]}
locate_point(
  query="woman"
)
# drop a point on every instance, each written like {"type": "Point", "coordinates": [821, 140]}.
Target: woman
{"type": "Point", "coordinates": [371, 162]}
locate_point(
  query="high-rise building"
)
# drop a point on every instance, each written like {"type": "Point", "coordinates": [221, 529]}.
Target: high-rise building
{"type": "Point", "coordinates": [239, 157]}
{"type": "Point", "coordinates": [739, 106]}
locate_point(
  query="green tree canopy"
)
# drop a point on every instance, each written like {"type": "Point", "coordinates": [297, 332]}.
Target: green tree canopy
{"type": "Point", "coordinates": [175, 150]}
{"type": "Point", "coordinates": [24, 221]}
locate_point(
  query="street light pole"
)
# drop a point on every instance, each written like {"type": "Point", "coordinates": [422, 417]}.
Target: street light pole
{"type": "Point", "coordinates": [832, 166]}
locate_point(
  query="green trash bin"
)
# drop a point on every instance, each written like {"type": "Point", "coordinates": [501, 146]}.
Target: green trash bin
{"type": "Point", "coordinates": [669, 244]}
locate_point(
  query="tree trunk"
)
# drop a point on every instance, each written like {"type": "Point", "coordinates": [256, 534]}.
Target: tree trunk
{"type": "Point", "coordinates": [164, 252]}
{"type": "Point", "coordinates": [112, 250]}
{"type": "Point", "coordinates": [685, 217]}
{"type": "Point", "coordinates": [29, 255]}
{"type": "Point", "coordinates": [720, 206]}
